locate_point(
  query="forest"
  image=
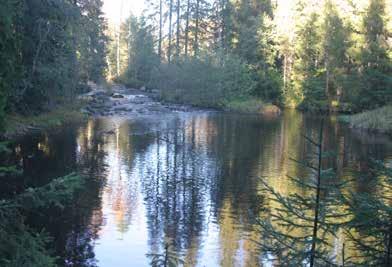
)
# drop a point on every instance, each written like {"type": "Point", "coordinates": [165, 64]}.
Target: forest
{"type": "Point", "coordinates": [311, 82]}
{"type": "Point", "coordinates": [313, 55]}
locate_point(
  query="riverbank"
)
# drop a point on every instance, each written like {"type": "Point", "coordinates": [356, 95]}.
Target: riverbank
{"type": "Point", "coordinates": [253, 106]}
{"type": "Point", "coordinates": [17, 125]}
{"type": "Point", "coordinates": [117, 100]}
{"type": "Point", "coordinates": [248, 105]}
{"type": "Point", "coordinates": [378, 120]}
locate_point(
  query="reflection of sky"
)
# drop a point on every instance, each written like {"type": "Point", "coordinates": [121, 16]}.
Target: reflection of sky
{"type": "Point", "coordinates": [123, 236]}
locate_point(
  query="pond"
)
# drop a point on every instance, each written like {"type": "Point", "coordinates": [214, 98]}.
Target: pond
{"type": "Point", "coordinates": [184, 183]}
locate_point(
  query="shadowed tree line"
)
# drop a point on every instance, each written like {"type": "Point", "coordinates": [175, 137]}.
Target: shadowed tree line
{"type": "Point", "coordinates": [49, 49]}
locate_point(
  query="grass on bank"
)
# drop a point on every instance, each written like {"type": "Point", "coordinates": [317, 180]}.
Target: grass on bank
{"type": "Point", "coordinates": [376, 120]}
{"type": "Point", "coordinates": [18, 125]}
{"type": "Point", "coordinates": [208, 99]}
{"type": "Point", "coordinates": [251, 105]}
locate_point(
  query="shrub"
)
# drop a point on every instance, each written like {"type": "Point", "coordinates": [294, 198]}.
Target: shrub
{"type": "Point", "coordinates": [206, 81]}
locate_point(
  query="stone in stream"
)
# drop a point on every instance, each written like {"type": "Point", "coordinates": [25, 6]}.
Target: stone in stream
{"type": "Point", "coordinates": [116, 95]}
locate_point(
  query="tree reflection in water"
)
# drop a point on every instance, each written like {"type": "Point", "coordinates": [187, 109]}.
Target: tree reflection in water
{"type": "Point", "coordinates": [187, 185]}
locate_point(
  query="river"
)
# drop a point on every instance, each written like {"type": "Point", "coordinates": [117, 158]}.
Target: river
{"type": "Point", "coordinates": [180, 182]}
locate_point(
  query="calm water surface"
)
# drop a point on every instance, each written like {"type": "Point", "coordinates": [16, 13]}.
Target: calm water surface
{"type": "Point", "coordinates": [188, 180]}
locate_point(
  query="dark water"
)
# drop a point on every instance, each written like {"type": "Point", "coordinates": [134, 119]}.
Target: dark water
{"type": "Point", "coordinates": [187, 184]}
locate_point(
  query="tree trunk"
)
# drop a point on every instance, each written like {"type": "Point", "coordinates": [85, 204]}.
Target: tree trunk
{"type": "Point", "coordinates": [223, 28]}
{"type": "Point", "coordinates": [187, 27]}
{"type": "Point", "coordinates": [178, 31]}
{"type": "Point", "coordinates": [129, 44]}
{"type": "Point", "coordinates": [197, 29]}
{"type": "Point", "coordinates": [42, 40]}
{"type": "Point", "coordinates": [160, 31]}
{"type": "Point", "coordinates": [170, 31]}
{"type": "Point", "coordinates": [118, 54]}
{"type": "Point", "coordinates": [327, 77]}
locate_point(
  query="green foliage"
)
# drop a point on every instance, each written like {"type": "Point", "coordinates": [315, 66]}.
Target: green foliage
{"type": "Point", "coordinates": [234, 55]}
{"type": "Point", "coordinates": [334, 52]}
{"type": "Point", "coordinates": [297, 230]}
{"type": "Point", "coordinates": [11, 170]}
{"type": "Point", "coordinates": [378, 120]}
{"type": "Point", "coordinates": [48, 49]}
{"type": "Point", "coordinates": [141, 55]}
{"type": "Point", "coordinates": [21, 245]}
{"type": "Point", "coordinates": [307, 82]}
{"type": "Point", "coordinates": [205, 81]}
{"type": "Point", "coordinates": [377, 67]}
{"type": "Point", "coordinates": [9, 45]}
{"type": "Point", "coordinates": [250, 105]}
{"type": "Point", "coordinates": [336, 61]}
{"type": "Point", "coordinates": [325, 206]}
{"type": "Point", "coordinates": [55, 194]}
{"type": "Point", "coordinates": [92, 41]}
{"type": "Point", "coordinates": [372, 219]}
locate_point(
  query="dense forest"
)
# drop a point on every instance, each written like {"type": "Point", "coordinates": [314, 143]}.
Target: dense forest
{"type": "Point", "coordinates": [49, 49]}
{"type": "Point", "coordinates": [315, 55]}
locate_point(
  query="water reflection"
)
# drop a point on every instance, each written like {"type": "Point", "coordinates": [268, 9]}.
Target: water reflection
{"type": "Point", "coordinates": [187, 185]}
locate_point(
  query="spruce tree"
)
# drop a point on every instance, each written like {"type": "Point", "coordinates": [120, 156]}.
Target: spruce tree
{"type": "Point", "coordinates": [307, 84]}
{"type": "Point", "coordinates": [376, 66]}
{"type": "Point", "coordinates": [296, 232]}
{"type": "Point", "coordinates": [334, 50]}
{"type": "Point", "coordinates": [370, 228]}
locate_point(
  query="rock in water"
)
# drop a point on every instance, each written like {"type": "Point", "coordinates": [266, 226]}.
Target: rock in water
{"type": "Point", "coordinates": [117, 96]}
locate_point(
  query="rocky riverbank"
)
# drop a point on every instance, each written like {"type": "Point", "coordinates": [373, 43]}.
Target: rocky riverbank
{"type": "Point", "coordinates": [116, 100]}
{"type": "Point", "coordinates": [122, 101]}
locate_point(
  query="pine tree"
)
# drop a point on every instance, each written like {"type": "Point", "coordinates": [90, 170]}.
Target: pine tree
{"type": "Point", "coordinates": [375, 62]}
{"type": "Point", "coordinates": [169, 47]}
{"type": "Point", "coordinates": [187, 18]}
{"type": "Point", "coordinates": [334, 49]}
{"type": "Point", "coordinates": [178, 25]}
{"type": "Point", "coordinates": [142, 57]}
{"type": "Point", "coordinates": [307, 84]}
{"type": "Point", "coordinates": [93, 40]}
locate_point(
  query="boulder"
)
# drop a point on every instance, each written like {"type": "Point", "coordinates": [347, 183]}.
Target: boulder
{"type": "Point", "coordinates": [271, 110]}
